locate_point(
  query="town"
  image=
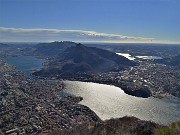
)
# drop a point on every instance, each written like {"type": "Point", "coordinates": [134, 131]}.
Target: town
{"type": "Point", "coordinates": [34, 104]}
{"type": "Point", "coordinates": [30, 106]}
{"type": "Point", "coordinates": [145, 80]}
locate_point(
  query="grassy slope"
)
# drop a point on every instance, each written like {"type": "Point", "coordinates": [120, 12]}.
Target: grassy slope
{"type": "Point", "coordinates": [173, 129]}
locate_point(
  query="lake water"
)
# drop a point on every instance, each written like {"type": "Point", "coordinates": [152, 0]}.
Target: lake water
{"type": "Point", "coordinates": [149, 57]}
{"type": "Point", "coordinates": [111, 102]}
{"type": "Point", "coordinates": [25, 63]}
{"type": "Point", "coordinates": [128, 56]}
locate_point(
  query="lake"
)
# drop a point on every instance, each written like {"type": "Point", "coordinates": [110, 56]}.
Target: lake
{"type": "Point", "coordinates": [128, 56]}
{"type": "Point", "coordinates": [111, 102]}
{"type": "Point", "coordinates": [25, 63]}
{"type": "Point", "coordinates": [149, 57]}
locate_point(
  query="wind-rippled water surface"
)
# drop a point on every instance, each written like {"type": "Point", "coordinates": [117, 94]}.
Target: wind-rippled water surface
{"type": "Point", "coordinates": [111, 102]}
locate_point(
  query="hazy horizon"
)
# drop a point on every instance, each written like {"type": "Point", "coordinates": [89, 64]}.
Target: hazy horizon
{"type": "Point", "coordinates": [120, 21]}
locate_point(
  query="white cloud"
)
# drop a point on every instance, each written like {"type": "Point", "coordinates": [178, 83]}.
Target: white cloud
{"type": "Point", "coordinates": [44, 35]}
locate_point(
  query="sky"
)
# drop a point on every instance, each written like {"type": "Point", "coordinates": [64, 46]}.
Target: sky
{"type": "Point", "coordinates": [146, 21]}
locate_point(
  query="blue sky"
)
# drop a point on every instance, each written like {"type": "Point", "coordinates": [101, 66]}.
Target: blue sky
{"type": "Point", "coordinates": [90, 20]}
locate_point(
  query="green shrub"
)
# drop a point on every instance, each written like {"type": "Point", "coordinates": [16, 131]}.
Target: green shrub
{"type": "Point", "coordinates": [173, 129]}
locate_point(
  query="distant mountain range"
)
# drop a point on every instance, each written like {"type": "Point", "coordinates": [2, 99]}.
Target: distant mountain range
{"type": "Point", "coordinates": [79, 58]}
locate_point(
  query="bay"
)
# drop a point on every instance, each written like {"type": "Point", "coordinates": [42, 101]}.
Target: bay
{"type": "Point", "coordinates": [111, 102]}
{"type": "Point", "coordinates": [25, 63]}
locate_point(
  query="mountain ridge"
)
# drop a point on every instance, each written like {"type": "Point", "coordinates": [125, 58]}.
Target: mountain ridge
{"type": "Point", "coordinates": [80, 58]}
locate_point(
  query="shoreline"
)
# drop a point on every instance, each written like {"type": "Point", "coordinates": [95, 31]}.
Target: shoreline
{"type": "Point", "coordinates": [84, 110]}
